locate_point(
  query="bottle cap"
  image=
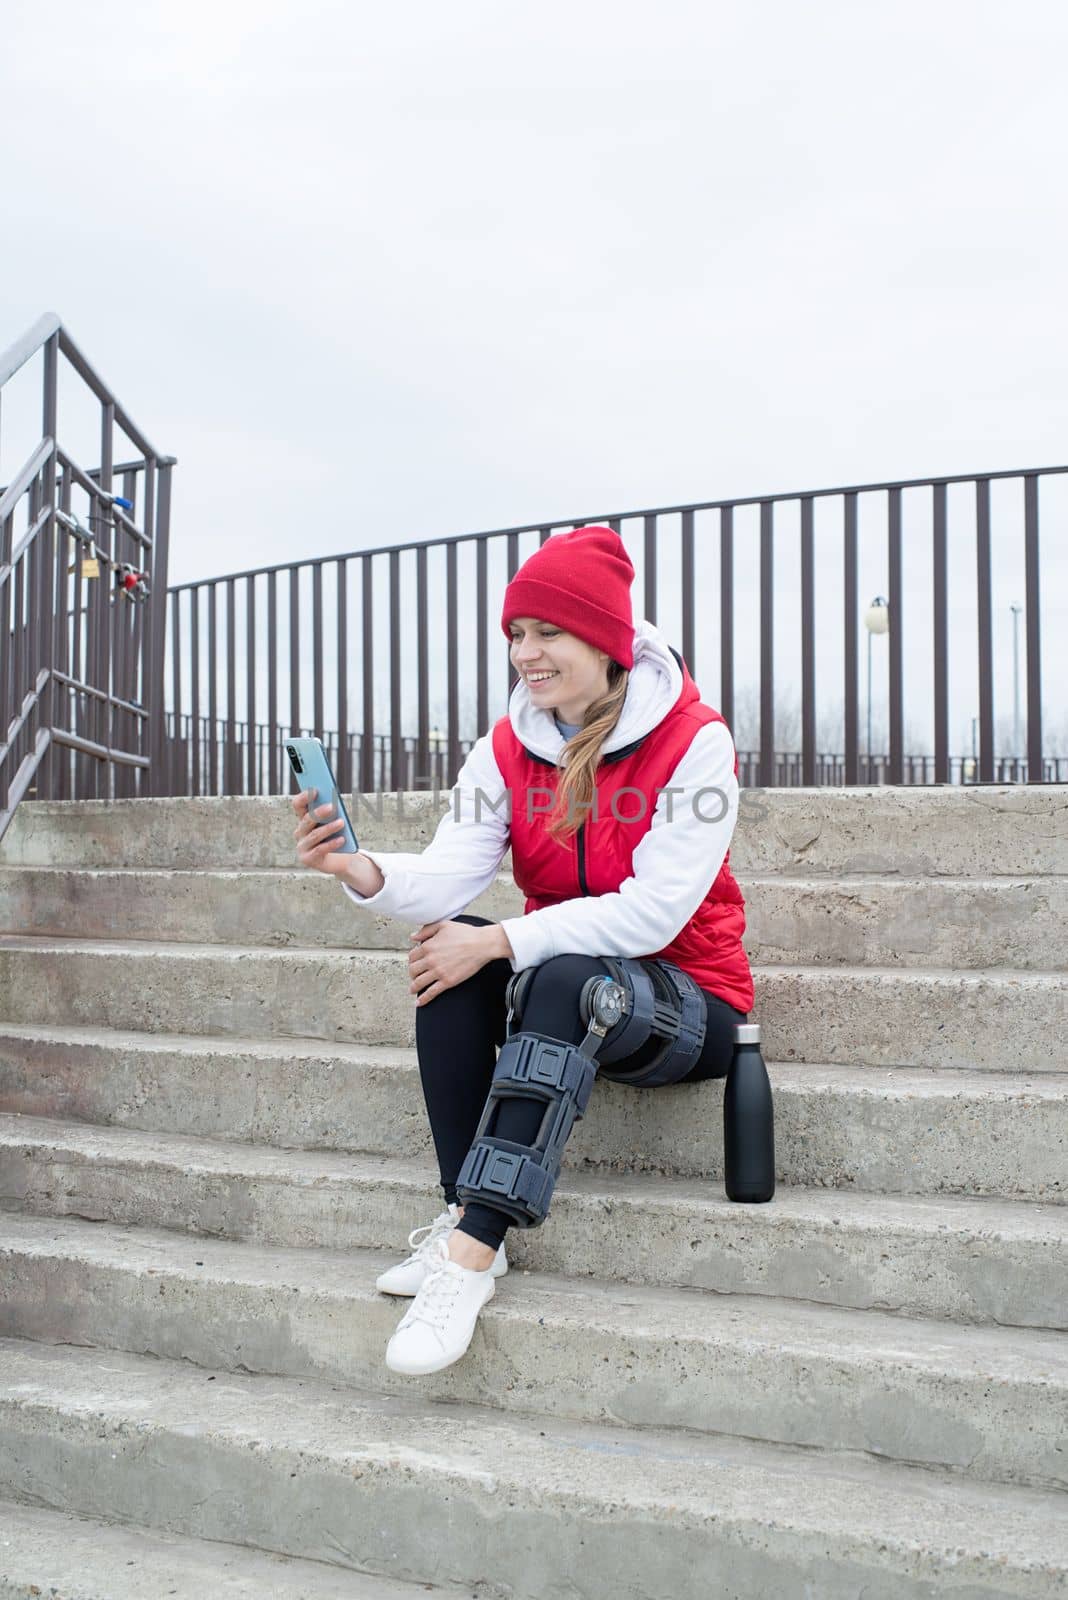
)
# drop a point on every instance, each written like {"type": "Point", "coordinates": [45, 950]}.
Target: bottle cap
{"type": "Point", "coordinates": [747, 1033]}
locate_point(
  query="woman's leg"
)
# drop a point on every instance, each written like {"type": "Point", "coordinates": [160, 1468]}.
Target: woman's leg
{"type": "Point", "coordinates": [551, 1007]}
{"type": "Point", "coordinates": [717, 1051]}
{"type": "Point", "coordinates": [457, 1036]}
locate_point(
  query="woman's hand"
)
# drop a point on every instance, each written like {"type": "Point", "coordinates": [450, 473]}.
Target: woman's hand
{"type": "Point", "coordinates": [318, 836]}
{"type": "Point", "coordinates": [445, 953]}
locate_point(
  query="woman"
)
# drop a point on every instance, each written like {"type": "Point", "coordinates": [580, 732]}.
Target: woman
{"type": "Point", "coordinates": [617, 790]}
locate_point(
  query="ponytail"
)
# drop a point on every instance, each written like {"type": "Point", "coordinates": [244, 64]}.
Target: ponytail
{"type": "Point", "coordinates": [581, 755]}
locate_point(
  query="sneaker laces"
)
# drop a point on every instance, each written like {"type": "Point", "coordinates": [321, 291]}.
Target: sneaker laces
{"type": "Point", "coordinates": [434, 1301]}
{"type": "Point", "coordinates": [435, 1230]}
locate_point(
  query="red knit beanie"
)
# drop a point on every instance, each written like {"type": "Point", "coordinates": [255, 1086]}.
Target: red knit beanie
{"type": "Point", "coordinates": [581, 582]}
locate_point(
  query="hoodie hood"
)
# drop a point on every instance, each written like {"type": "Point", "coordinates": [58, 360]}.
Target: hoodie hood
{"type": "Point", "coordinates": [655, 684]}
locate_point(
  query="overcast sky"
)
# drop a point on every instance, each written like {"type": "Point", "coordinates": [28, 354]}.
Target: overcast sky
{"type": "Point", "coordinates": [375, 273]}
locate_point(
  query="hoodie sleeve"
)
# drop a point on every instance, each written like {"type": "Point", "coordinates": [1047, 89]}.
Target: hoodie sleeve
{"type": "Point", "coordinates": [673, 867]}
{"type": "Point", "coordinates": [461, 860]}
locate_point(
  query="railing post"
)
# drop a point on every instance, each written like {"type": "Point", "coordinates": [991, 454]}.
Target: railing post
{"type": "Point", "coordinates": [452, 668]}
{"type": "Point", "coordinates": [767, 644]}
{"type": "Point", "coordinates": [46, 781]}
{"type": "Point", "coordinates": [850, 713]}
{"type": "Point", "coordinates": [726, 615]}
{"type": "Point", "coordinates": [985, 630]}
{"type": "Point", "coordinates": [940, 594]}
{"type": "Point", "coordinates": [107, 618]}
{"type": "Point", "coordinates": [156, 631]}
{"type": "Point", "coordinates": [895, 592]}
{"type": "Point", "coordinates": [367, 748]}
{"type": "Point", "coordinates": [231, 783]}
{"type": "Point", "coordinates": [1035, 768]}
{"type": "Point", "coordinates": [808, 647]}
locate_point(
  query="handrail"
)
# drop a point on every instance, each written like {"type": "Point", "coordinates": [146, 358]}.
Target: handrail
{"type": "Point", "coordinates": [443, 541]}
{"type": "Point", "coordinates": [35, 337]}
{"type": "Point", "coordinates": [36, 527]}
{"type": "Point", "coordinates": [104, 394]}
{"type": "Point", "coordinates": [21, 780]}
{"type": "Point", "coordinates": [22, 483]}
{"type": "Point", "coordinates": [81, 662]}
{"type": "Point", "coordinates": [119, 470]}
{"type": "Point", "coordinates": [17, 354]}
{"type": "Point", "coordinates": [83, 478]}
{"type": "Point", "coordinates": [30, 763]}
{"type": "Point", "coordinates": [100, 694]}
{"type": "Point", "coordinates": [24, 477]}
{"type": "Point", "coordinates": [228, 651]}
{"type": "Point", "coordinates": [87, 480]}
{"type": "Point", "coordinates": [30, 700]}
{"type": "Point", "coordinates": [33, 699]}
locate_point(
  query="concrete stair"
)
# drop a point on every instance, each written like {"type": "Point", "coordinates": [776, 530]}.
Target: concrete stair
{"type": "Point", "coordinates": [893, 1130]}
{"type": "Point", "coordinates": [212, 1139]}
{"type": "Point", "coordinates": [402, 1484]}
{"type": "Point", "coordinates": [87, 1559]}
{"type": "Point", "coordinates": [914, 922]}
{"type": "Point", "coordinates": [872, 1016]}
{"type": "Point", "coordinates": [905, 1389]}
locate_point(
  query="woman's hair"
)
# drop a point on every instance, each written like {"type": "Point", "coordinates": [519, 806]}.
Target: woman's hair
{"type": "Point", "coordinates": [581, 754]}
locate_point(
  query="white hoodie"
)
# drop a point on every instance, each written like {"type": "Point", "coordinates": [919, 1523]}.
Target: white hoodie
{"type": "Point", "coordinates": [674, 864]}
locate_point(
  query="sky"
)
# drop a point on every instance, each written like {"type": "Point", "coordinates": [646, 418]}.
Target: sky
{"type": "Point", "coordinates": [375, 274]}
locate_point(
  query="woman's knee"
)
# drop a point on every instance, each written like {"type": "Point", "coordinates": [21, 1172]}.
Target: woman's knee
{"type": "Point", "coordinates": [563, 976]}
{"type": "Point", "coordinates": [552, 1003]}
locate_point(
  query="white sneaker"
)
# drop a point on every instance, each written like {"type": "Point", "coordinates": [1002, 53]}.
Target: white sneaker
{"type": "Point", "coordinates": [438, 1326]}
{"type": "Point", "coordinates": [407, 1277]}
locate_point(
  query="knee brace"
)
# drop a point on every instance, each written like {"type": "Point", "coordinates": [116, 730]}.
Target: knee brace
{"type": "Point", "coordinates": [620, 1011]}
{"type": "Point", "coordinates": [515, 1178]}
{"type": "Point", "coordinates": [662, 1000]}
{"type": "Point", "coordinates": [638, 998]}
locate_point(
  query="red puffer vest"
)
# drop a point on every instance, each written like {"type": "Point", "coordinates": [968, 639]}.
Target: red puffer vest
{"type": "Point", "coordinates": [597, 858]}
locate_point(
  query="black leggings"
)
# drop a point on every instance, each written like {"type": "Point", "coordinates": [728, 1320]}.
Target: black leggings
{"type": "Point", "coordinates": [457, 1037]}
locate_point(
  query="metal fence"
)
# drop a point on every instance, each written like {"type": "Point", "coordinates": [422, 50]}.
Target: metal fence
{"type": "Point", "coordinates": [272, 647]}
{"type": "Point", "coordinates": [100, 692]}
{"type": "Point", "coordinates": [83, 576]}
{"type": "Point", "coordinates": [199, 747]}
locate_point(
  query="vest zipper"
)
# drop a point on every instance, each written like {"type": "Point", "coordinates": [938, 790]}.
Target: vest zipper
{"type": "Point", "coordinates": [580, 842]}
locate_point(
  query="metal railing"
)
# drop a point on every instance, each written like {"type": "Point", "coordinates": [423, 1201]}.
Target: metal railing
{"type": "Point", "coordinates": [82, 600]}
{"type": "Point", "coordinates": [271, 645]}
{"type": "Point", "coordinates": [203, 747]}
{"type": "Point", "coordinates": [85, 671]}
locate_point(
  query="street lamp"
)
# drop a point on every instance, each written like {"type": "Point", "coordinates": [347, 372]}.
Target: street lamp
{"type": "Point", "coordinates": [876, 620]}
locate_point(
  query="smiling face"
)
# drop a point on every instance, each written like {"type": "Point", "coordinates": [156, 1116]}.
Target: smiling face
{"type": "Point", "coordinates": [580, 672]}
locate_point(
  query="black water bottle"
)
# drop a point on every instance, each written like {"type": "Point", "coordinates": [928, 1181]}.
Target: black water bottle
{"type": "Point", "coordinates": [748, 1121]}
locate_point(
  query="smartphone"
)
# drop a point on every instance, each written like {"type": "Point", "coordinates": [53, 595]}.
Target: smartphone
{"type": "Point", "coordinates": [312, 770]}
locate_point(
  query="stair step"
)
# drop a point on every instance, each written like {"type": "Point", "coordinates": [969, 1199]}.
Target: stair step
{"type": "Point", "coordinates": [1020, 830]}
{"type": "Point", "coordinates": [968, 1260]}
{"type": "Point", "coordinates": [894, 1130]}
{"type": "Point", "coordinates": [984, 1020]}
{"type": "Point", "coordinates": [833, 921]}
{"type": "Point", "coordinates": [429, 1491]}
{"type": "Point", "coordinates": [52, 1553]}
{"type": "Point", "coordinates": [991, 1403]}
